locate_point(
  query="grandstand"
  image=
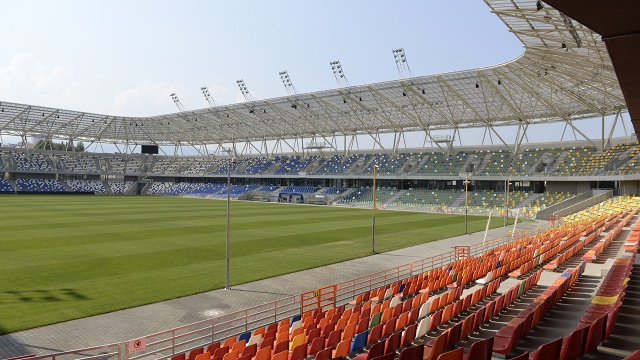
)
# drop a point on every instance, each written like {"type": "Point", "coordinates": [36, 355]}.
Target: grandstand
{"type": "Point", "coordinates": [534, 172]}
{"type": "Point", "coordinates": [504, 299]}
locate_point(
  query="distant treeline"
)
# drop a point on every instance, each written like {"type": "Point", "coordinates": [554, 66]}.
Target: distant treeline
{"type": "Point", "coordinates": [50, 145]}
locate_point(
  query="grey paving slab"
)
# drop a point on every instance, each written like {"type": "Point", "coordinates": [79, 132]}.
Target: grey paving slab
{"type": "Point", "coordinates": [140, 321]}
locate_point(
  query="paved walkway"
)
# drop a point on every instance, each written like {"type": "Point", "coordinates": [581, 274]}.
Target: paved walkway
{"type": "Point", "coordinates": [132, 323]}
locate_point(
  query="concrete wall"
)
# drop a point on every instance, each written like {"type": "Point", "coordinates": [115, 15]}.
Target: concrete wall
{"type": "Point", "coordinates": [575, 204]}
{"type": "Point", "coordinates": [575, 187]}
{"type": "Point", "coordinates": [629, 188]}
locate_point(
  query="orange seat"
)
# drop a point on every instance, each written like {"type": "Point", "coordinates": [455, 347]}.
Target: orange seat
{"type": "Point", "coordinates": [480, 350]}
{"type": "Point", "coordinates": [195, 352]}
{"type": "Point", "coordinates": [550, 350]}
{"type": "Point", "coordinates": [238, 346]}
{"type": "Point", "coordinates": [263, 354]}
{"type": "Point", "coordinates": [298, 353]}
{"type": "Point", "coordinates": [412, 353]}
{"type": "Point", "coordinates": [281, 346]}
{"type": "Point", "coordinates": [204, 356]}
{"type": "Point", "coordinates": [509, 340]}
{"type": "Point", "coordinates": [431, 353]}
{"type": "Point", "coordinates": [180, 356]}
{"type": "Point", "coordinates": [349, 331]}
{"type": "Point", "coordinates": [295, 332]}
{"type": "Point", "coordinates": [213, 347]}
{"type": "Point", "coordinates": [401, 322]}
{"type": "Point", "coordinates": [342, 349]}
{"type": "Point", "coordinates": [231, 355]}
{"type": "Point", "coordinates": [229, 342]}
{"type": "Point", "coordinates": [456, 354]}
{"type": "Point", "coordinates": [283, 355]}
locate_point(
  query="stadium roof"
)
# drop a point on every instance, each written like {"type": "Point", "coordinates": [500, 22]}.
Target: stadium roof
{"type": "Point", "coordinates": [617, 22]}
{"type": "Point", "coordinates": [565, 73]}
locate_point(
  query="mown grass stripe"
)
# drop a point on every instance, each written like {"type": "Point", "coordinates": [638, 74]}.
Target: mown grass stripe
{"type": "Point", "coordinates": [66, 257]}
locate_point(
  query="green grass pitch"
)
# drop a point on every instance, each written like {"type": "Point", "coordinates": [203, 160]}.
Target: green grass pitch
{"type": "Point", "coordinates": [68, 257]}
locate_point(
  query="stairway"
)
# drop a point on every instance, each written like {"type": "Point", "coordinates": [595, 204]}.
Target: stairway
{"type": "Point", "coordinates": [240, 168]}
{"type": "Point", "coordinates": [409, 166]}
{"type": "Point", "coordinates": [483, 164]}
{"type": "Point", "coordinates": [107, 188]}
{"type": "Point", "coordinates": [421, 164]}
{"type": "Point", "coordinates": [530, 199]}
{"type": "Point", "coordinates": [471, 159]}
{"type": "Point", "coordinates": [557, 163]}
{"type": "Point", "coordinates": [459, 201]}
{"type": "Point", "coordinates": [66, 186]}
{"type": "Point", "coordinates": [275, 166]}
{"type": "Point", "coordinates": [13, 185]}
{"type": "Point", "coordinates": [395, 197]}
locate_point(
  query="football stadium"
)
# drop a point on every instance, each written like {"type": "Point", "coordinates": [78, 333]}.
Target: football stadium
{"type": "Point", "coordinates": [314, 226]}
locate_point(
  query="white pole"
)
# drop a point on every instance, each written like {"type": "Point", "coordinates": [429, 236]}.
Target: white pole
{"type": "Point", "coordinates": [226, 280]}
{"type": "Point", "coordinates": [515, 223]}
{"type": "Point", "coordinates": [486, 231]}
{"type": "Point", "coordinates": [466, 203]}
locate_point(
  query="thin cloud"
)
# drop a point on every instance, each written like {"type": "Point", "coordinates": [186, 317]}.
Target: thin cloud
{"type": "Point", "coordinates": [26, 77]}
{"type": "Point", "coordinates": [137, 100]}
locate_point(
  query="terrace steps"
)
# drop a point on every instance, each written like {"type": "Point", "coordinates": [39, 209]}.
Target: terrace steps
{"type": "Point", "coordinates": [531, 198]}
{"type": "Point", "coordinates": [65, 185]}
{"type": "Point", "coordinates": [459, 201]}
{"type": "Point", "coordinates": [483, 163]}
{"type": "Point", "coordinates": [559, 160]}
{"type": "Point", "coordinates": [107, 188]}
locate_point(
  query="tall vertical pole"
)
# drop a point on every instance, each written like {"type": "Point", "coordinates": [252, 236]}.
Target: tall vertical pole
{"type": "Point", "coordinates": [373, 216]}
{"type": "Point", "coordinates": [506, 186]}
{"type": "Point", "coordinates": [226, 281]}
{"type": "Point", "coordinates": [466, 202]}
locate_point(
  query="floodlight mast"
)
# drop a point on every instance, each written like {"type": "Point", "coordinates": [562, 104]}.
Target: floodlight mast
{"type": "Point", "coordinates": [245, 91]}
{"type": "Point", "coordinates": [177, 101]}
{"type": "Point", "coordinates": [341, 78]}
{"type": "Point", "coordinates": [401, 62]}
{"type": "Point", "coordinates": [288, 85]}
{"type": "Point", "coordinates": [208, 97]}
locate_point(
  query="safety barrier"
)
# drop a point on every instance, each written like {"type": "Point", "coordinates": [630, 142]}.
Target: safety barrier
{"type": "Point", "coordinates": [108, 351]}
{"type": "Point", "coordinates": [318, 299]}
{"type": "Point", "coordinates": [180, 339]}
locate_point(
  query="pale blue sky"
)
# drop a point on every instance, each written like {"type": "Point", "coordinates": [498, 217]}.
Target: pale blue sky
{"type": "Point", "coordinates": [126, 57]}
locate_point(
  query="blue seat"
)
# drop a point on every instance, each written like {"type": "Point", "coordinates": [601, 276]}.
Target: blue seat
{"type": "Point", "coordinates": [294, 318]}
{"type": "Point", "coordinates": [401, 288]}
{"type": "Point", "coordinates": [359, 341]}
{"type": "Point", "coordinates": [245, 336]}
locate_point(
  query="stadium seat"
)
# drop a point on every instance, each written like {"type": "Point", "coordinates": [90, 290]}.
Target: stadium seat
{"type": "Point", "coordinates": [412, 353]}
{"type": "Point", "coordinates": [480, 350]}
{"type": "Point", "coordinates": [456, 354]}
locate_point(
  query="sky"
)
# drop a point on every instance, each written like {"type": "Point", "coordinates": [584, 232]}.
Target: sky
{"type": "Point", "coordinates": [125, 57]}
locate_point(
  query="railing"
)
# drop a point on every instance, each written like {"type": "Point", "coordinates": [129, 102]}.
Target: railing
{"type": "Point", "coordinates": [108, 351]}
{"type": "Point", "coordinates": [321, 298]}
{"type": "Point", "coordinates": [166, 343]}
